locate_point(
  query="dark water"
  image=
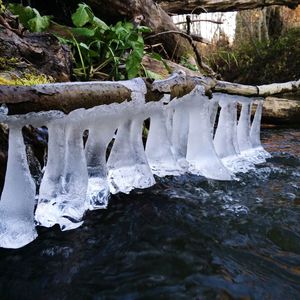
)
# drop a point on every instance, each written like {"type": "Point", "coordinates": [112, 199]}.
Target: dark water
{"type": "Point", "coordinates": [184, 238]}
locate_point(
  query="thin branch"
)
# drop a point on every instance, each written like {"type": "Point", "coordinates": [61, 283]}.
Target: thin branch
{"type": "Point", "coordinates": [200, 20]}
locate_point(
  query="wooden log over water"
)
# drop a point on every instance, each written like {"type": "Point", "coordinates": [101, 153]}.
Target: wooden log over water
{"type": "Point", "coordinates": [72, 95]}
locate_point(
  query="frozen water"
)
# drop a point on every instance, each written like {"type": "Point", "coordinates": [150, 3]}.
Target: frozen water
{"type": "Point", "coordinates": [158, 147]}
{"type": "Point", "coordinates": [225, 140]}
{"type": "Point", "coordinates": [127, 164]}
{"type": "Point", "coordinates": [100, 134]}
{"type": "Point", "coordinates": [64, 184]}
{"type": "Point", "coordinates": [17, 226]}
{"type": "Point", "coordinates": [226, 130]}
{"type": "Point", "coordinates": [201, 154]}
{"type": "Point", "coordinates": [243, 128]}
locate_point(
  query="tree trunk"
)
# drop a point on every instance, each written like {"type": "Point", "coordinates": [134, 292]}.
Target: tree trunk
{"type": "Point", "coordinates": [186, 7]}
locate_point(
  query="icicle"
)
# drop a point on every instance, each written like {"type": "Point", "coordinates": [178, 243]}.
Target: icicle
{"type": "Point", "coordinates": [244, 132]}
{"type": "Point", "coordinates": [243, 128]}
{"type": "Point", "coordinates": [127, 163]}
{"type": "Point", "coordinates": [100, 134]}
{"type": "Point", "coordinates": [64, 184]}
{"type": "Point", "coordinates": [128, 167]}
{"type": "Point", "coordinates": [17, 226]}
{"type": "Point", "coordinates": [200, 149]}
{"type": "Point", "coordinates": [158, 147]}
{"type": "Point", "coordinates": [225, 140]}
{"type": "Point", "coordinates": [75, 179]}
{"type": "Point", "coordinates": [224, 137]}
{"type": "Point", "coordinates": [258, 153]}
{"type": "Point", "coordinates": [51, 188]}
{"type": "Point", "coordinates": [179, 131]}
{"type": "Point", "coordinates": [17, 201]}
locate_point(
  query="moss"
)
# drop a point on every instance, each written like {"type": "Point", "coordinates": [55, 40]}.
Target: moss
{"type": "Point", "coordinates": [9, 64]}
{"type": "Point", "coordinates": [27, 79]}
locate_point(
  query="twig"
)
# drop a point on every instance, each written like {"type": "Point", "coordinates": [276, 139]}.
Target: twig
{"type": "Point", "coordinates": [200, 20]}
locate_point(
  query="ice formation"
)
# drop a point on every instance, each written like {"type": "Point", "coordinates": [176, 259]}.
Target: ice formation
{"type": "Point", "coordinates": [81, 176]}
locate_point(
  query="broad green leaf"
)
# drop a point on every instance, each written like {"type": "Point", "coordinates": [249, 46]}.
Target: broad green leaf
{"type": "Point", "coordinates": [24, 13]}
{"type": "Point", "coordinates": [38, 23]}
{"type": "Point", "coordinates": [133, 63]}
{"type": "Point", "coordinates": [82, 15]}
{"type": "Point", "coordinates": [99, 23]}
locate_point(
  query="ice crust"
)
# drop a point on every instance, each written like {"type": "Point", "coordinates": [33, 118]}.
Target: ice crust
{"type": "Point", "coordinates": [80, 176]}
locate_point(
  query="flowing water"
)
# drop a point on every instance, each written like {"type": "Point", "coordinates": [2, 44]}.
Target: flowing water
{"type": "Point", "coordinates": [184, 238]}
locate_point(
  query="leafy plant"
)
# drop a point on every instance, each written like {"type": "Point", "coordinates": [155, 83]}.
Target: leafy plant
{"type": "Point", "coordinates": [105, 51]}
{"type": "Point", "coordinates": [30, 17]}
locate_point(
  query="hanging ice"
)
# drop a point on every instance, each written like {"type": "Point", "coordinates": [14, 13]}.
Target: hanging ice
{"type": "Point", "coordinates": [101, 131]}
{"type": "Point", "coordinates": [158, 147]}
{"type": "Point", "coordinates": [64, 184]}
{"type": "Point", "coordinates": [243, 128]}
{"type": "Point", "coordinates": [259, 154]}
{"type": "Point", "coordinates": [127, 163]}
{"type": "Point", "coordinates": [225, 140]}
{"type": "Point", "coordinates": [246, 143]}
{"type": "Point", "coordinates": [200, 149]}
{"type": "Point", "coordinates": [179, 131]}
{"type": "Point", "coordinates": [128, 166]}
{"type": "Point", "coordinates": [17, 226]}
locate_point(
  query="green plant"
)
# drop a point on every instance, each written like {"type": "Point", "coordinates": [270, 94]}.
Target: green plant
{"type": "Point", "coordinates": [277, 60]}
{"type": "Point", "coordinates": [101, 50]}
{"type": "Point", "coordinates": [30, 17]}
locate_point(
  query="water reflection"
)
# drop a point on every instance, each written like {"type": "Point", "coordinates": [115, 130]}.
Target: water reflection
{"type": "Point", "coordinates": [184, 238]}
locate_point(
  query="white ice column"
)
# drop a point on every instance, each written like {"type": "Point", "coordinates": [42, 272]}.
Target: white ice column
{"type": "Point", "coordinates": [258, 151]}
{"type": "Point", "coordinates": [243, 128]}
{"type": "Point", "coordinates": [180, 133]}
{"type": "Point", "coordinates": [255, 127]}
{"type": "Point", "coordinates": [158, 147]}
{"type": "Point", "coordinates": [225, 134]}
{"type": "Point", "coordinates": [17, 226]}
{"type": "Point", "coordinates": [100, 134]}
{"type": "Point", "coordinates": [127, 164]}
{"type": "Point", "coordinates": [201, 153]}
{"type": "Point", "coordinates": [64, 184]}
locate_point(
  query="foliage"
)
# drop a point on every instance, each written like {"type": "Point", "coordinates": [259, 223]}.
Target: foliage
{"type": "Point", "coordinates": [105, 51]}
{"type": "Point", "coordinates": [2, 7]}
{"type": "Point", "coordinates": [30, 17]}
{"type": "Point", "coordinates": [27, 79]}
{"type": "Point", "coordinates": [261, 62]}
{"type": "Point", "coordinates": [185, 62]}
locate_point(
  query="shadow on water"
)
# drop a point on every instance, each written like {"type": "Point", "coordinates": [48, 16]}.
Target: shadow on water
{"type": "Point", "coordinates": [184, 238]}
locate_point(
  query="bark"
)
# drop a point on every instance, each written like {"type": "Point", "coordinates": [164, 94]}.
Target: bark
{"type": "Point", "coordinates": [198, 6]}
{"type": "Point", "coordinates": [41, 51]}
{"type": "Point", "coordinates": [69, 96]}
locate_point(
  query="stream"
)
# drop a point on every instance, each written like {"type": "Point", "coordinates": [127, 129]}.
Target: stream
{"type": "Point", "coordinates": [184, 238]}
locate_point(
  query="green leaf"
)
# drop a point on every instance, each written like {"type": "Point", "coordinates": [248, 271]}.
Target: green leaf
{"type": "Point", "coordinates": [82, 15]}
{"type": "Point", "coordinates": [144, 29]}
{"type": "Point", "coordinates": [24, 13]}
{"type": "Point", "coordinates": [99, 23]}
{"type": "Point", "coordinates": [133, 63]}
{"type": "Point", "coordinates": [38, 23]}
{"type": "Point", "coordinates": [86, 32]}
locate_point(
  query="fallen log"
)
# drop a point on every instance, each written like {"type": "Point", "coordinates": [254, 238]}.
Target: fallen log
{"type": "Point", "coordinates": [72, 95]}
{"type": "Point", "coordinates": [198, 6]}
